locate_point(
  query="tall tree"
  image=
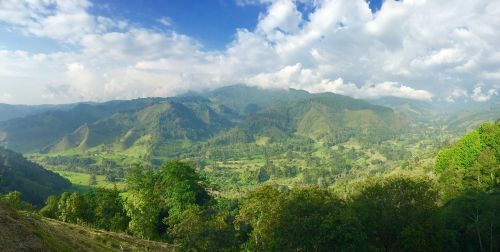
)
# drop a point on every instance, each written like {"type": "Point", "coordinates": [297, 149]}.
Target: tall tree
{"type": "Point", "coordinates": [51, 210]}
{"type": "Point", "coordinates": [157, 200]}
{"type": "Point", "coordinates": [303, 219]}
{"type": "Point", "coordinates": [475, 219]}
{"type": "Point", "coordinates": [392, 209]}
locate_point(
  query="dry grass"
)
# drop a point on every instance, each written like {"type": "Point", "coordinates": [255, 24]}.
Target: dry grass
{"type": "Point", "coordinates": [20, 231]}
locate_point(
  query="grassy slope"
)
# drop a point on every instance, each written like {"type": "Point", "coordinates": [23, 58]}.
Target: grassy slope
{"type": "Point", "coordinates": [80, 181]}
{"type": "Point", "coordinates": [21, 231]}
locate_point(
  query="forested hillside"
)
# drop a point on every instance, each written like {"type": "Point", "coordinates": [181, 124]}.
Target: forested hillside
{"type": "Point", "coordinates": [472, 162]}
{"type": "Point", "coordinates": [250, 125]}
{"type": "Point", "coordinates": [30, 179]}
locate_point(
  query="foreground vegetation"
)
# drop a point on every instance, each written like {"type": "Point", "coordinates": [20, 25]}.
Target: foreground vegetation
{"type": "Point", "coordinates": [23, 231]}
{"type": "Point", "coordinates": [394, 213]}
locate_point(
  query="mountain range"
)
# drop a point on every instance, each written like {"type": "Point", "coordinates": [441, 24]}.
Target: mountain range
{"type": "Point", "coordinates": [233, 114]}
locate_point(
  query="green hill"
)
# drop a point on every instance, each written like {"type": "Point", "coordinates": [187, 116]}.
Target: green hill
{"type": "Point", "coordinates": [246, 99]}
{"type": "Point", "coordinates": [472, 162]}
{"type": "Point", "coordinates": [173, 119]}
{"type": "Point", "coordinates": [21, 231]}
{"type": "Point", "coordinates": [33, 182]}
{"type": "Point", "coordinates": [324, 117]}
{"type": "Point", "coordinates": [36, 132]}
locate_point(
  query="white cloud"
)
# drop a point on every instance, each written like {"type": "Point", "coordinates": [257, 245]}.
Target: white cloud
{"type": "Point", "coordinates": [414, 49]}
{"type": "Point", "coordinates": [476, 94]}
{"type": "Point", "coordinates": [244, 3]}
{"type": "Point", "coordinates": [457, 93]}
{"type": "Point", "coordinates": [62, 20]}
{"type": "Point", "coordinates": [282, 17]}
{"type": "Point", "coordinates": [166, 21]}
{"type": "Point", "coordinates": [5, 97]}
{"type": "Point", "coordinates": [493, 75]}
{"type": "Point", "coordinates": [444, 56]}
{"type": "Point", "coordinates": [295, 76]}
{"type": "Point", "coordinates": [479, 96]}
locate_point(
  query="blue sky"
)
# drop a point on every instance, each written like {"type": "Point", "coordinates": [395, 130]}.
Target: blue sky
{"type": "Point", "coordinates": [58, 51]}
{"type": "Point", "coordinates": [212, 22]}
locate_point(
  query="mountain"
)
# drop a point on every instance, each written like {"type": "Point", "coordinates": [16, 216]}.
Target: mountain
{"type": "Point", "coordinates": [192, 118]}
{"type": "Point", "coordinates": [8, 111]}
{"type": "Point", "coordinates": [419, 110]}
{"type": "Point", "coordinates": [469, 119]}
{"type": "Point", "coordinates": [242, 112]}
{"type": "Point", "coordinates": [21, 231]}
{"type": "Point", "coordinates": [247, 99]}
{"type": "Point", "coordinates": [33, 182]}
{"type": "Point", "coordinates": [324, 117]}
{"type": "Point", "coordinates": [39, 131]}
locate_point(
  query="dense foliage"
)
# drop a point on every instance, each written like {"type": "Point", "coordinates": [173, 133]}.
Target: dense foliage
{"type": "Point", "coordinates": [174, 204]}
{"type": "Point", "coordinates": [400, 212]}
{"type": "Point", "coordinates": [302, 219]}
{"type": "Point", "coordinates": [13, 199]}
{"type": "Point", "coordinates": [100, 208]}
{"type": "Point", "coordinates": [473, 162]}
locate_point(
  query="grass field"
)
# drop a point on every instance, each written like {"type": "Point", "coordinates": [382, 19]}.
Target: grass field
{"type": "Point", "coordinates": [81, 180]}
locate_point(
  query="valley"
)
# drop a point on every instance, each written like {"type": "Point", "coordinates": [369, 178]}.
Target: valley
{"type": "Point", "coordinates": [240, 137]}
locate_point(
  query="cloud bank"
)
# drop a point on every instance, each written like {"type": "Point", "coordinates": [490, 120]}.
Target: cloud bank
{"type": "Point", "coordinates": [412, 49]}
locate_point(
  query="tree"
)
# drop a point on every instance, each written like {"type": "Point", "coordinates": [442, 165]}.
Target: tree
{"type": "Point", "coordinates": [157, 200]}
{"type": "Point", "coordinates": [13, 199]}
{"type": "Point", "coordinates": [472, 162]}
{"type": "Point", "coordinates": [107, 210]}
{"type": "Point", "coordinates": [392, 208]}
{"type": "Point", "coordinates": [490, 166]}
{"type": "Point", "coordinates": [144, 205]}
{"type": "Point", "coordinates": [204, 230]}
{"type": "Point", "coordinates": [303, 219]}
{"type": "Point", "coordinates": [92, 180]}
{"type": "Point", "coordinates": [50, 210]}
{"type": "Point", "coordinates": [73, 208]}
{"type": "Point", "coordinates": [475, 219]}
{"type": "Point", "coordinates": [182, 187]}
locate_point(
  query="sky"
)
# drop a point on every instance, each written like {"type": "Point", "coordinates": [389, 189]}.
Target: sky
{"type": "Point", "coordinates": [63, 51]}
